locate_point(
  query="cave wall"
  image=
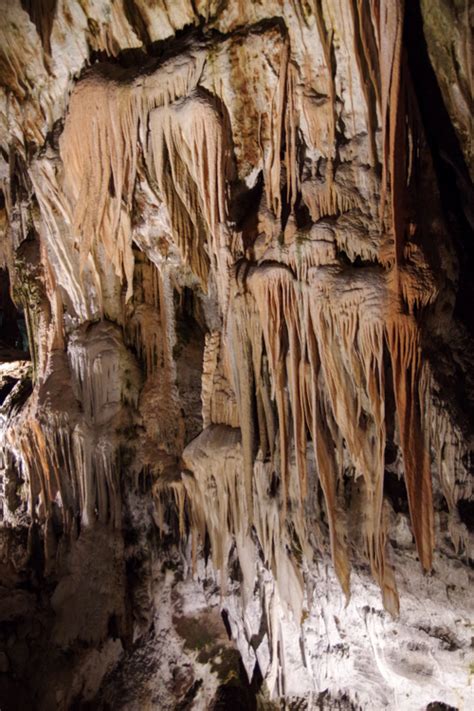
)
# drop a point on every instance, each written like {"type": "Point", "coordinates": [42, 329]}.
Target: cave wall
{"type": "Point", "coordinates": [236, 459]}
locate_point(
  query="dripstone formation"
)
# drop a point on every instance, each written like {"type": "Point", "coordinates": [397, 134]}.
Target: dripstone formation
{"type": "Point", "coordinates": [237, 386]}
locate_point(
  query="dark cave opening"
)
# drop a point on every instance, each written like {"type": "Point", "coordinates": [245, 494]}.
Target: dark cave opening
{"type": "Point", "coordinates": [466, 513]}
{"type": "Point", "coordinates": [395, 490]}
{"type": "Point", "coordinates": [13, 339]}
{"type": "Point", "coordinates": [454, 182]}
{"type": "Point", "coordinates": [238, 693]}
{"type": "Point", "coordinates": [188, 353]}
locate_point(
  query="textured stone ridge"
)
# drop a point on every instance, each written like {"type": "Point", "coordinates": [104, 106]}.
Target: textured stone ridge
{"type": "Point", "coordinates": [236, 414]}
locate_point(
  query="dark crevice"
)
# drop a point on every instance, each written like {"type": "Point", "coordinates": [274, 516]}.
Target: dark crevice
{"type": "Point", "coordinates": [152, 54]}
{"type": "Point", "coordinates": [455, 185]}
{"type": "Point", "coordinates": [394, 490]}
{"type": "Point", "coordinates": [466, 513]}
{"type": "Point", "coordinates": [13, 338]}
{"type": "Point", "coordinates": [187, 702]}
{"type": "Point", "coordinates": [136, 21]}
{"type": "Point", "coordinates": [42, 13]}
{"type": "Point", "coordinates": [188, 353]}
{"type": "Point", "coordinates": [225, 619]}
{"type": "Point", "coordinates": [244, 209]}
{"type": "Point", "coordinates": [238, 693]}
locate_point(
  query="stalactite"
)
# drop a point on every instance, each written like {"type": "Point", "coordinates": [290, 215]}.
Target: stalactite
{"type": "Point", "coordinates": [188, 159]}
{"type": "Point", "coordinates": [69, 470]}
{"type": "Point", "coordinates": [99, 150]}
{"type": "Point", "coordinates": [216, 460]}
{"type": "Point", "coordinates": [291, 164]}
{"type": "Point", "coordinates": [243, 382]}
{"type": "Point", "coordinates": [97, 359]}
{"type": "Point", "coordinates": [56, 217]}
{"type": "Point", "coordinates": [45, 449]}
{"type": "Point", "coordinates": [326, 198]}
{"type": "Point", "coordinates": [393, 113]}
{"type": "Point", "coordinates": [218, 399]}
{"type": "Point", "coordinates": [303, 364]}
{"type": "Point", "coordinates": [325, 39]}
{"type": "Point", "coordinates": [277, 307]}
{"type": "Point", "coordinates": [69, 457]}
{"type": "Point", "coordinates": [273, 161]}
{"type": "Point", "coordinates": [327, 343]}
{"type": "Point", "coordinates": [144, 324]}
{"type": "Point", "coordinates": [211, 353]}
{"type": "Point", "coordinates": [350, 340]}
{"type": "Point", "coordinates": [403, 340]}
{"type": "Point", "coordinates": [452, 461]}
{"type": "Point", "coordinates": [365, 50]}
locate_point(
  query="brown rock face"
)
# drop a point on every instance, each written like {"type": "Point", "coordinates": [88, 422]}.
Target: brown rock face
{"type": "Point", "coordinates": [235, 458]}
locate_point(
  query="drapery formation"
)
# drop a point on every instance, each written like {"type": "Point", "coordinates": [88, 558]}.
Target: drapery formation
{"type": "Point", "coordinates": [288, 203]}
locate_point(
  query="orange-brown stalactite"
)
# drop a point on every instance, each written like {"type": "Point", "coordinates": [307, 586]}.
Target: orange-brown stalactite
{"type": "Point", "coordinates": [189, 162]}
{"type": "Point", "coordinates": [394, 78]}
{"type": "Point", "coordinates": [324, 361]}
{"type": "Point", "coordinates": [273, 170]}
{"type": "Point", "coordinates": [107, 108]}
{"type": "Point", "coordinates": [324, 383]}
{"type": "Point", "coordinates": [327, 469]}
{"type": "Point", "coordinates": [366, 52]}
{"type": "Point", "coordinates": [402, 336]}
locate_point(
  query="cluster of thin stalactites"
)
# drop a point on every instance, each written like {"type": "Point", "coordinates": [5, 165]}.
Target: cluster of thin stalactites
{"type": "Point", "coordinates": [307, 358]}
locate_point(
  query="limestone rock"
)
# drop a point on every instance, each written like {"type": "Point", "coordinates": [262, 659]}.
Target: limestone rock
{"type": "Point", "coordinates": [236, 460]}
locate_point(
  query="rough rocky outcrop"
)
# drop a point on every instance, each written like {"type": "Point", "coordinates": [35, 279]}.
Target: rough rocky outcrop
{"type": "Point", "coordinates": [237, 394]}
